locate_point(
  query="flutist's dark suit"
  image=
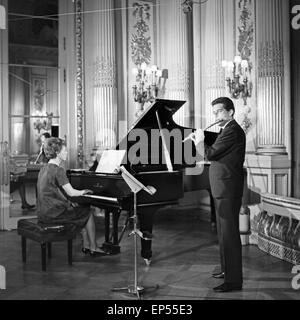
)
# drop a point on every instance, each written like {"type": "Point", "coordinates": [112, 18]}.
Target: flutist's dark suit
{"type": "Point", "coordinates": [227, 156]}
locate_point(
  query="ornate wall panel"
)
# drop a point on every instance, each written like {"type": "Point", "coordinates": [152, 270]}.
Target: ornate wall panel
{"type": "Point", "coordinates": [141, 45]}
{"type": "Point", "coordinates": [245, 47]}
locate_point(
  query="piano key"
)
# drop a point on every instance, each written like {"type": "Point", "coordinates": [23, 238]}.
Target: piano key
{"type": "Point", "coordinates": [101, 198]}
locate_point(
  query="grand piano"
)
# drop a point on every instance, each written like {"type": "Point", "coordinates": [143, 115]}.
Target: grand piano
{"type": "Point", "coordinates": [154, 159]}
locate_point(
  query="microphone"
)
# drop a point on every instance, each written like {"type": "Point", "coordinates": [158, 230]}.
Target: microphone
{"type": "Point", "coordinates": [189, 137]}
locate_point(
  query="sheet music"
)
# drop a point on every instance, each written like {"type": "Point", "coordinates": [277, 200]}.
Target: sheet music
{"type": "Point", "coordinates": [134, 184]}
{"type": "Point", "coordinates": [110, 161]}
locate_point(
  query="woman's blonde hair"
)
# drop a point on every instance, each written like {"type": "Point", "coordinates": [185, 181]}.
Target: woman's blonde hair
{"type": "Point", "coordinates": [52, 147]}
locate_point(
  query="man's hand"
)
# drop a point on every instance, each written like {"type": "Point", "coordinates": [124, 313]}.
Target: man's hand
{"type": "Point", "coordinates": [197, 136]}
{"type": "Point", "coordinates": [117, 169]}
{"type": "Point", "coordinates": [74, 204]}
{"type": "Point", "coordinates": [87, 191]}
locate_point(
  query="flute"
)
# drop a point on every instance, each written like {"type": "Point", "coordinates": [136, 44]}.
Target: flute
{"type": "Point", "coordinates": [213, 124]}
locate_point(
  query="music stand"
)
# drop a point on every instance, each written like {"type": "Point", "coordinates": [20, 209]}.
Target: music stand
{"type": "Point", "coordinates": [37, 158]}
{"type": "Point", "coordinates": [135, 186]}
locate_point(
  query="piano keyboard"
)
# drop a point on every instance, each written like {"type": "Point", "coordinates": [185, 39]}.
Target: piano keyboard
{"type": "Point", "coordinates": [101, 198]}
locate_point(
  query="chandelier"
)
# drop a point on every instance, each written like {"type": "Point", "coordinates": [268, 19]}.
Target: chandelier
{"type": "Point", "coordinates": [147, 84]}
{"type": "Point", "coordinates": [237, 78]}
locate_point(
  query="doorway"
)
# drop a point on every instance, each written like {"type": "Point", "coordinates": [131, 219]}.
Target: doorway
{"type": "Point", "coordinates": [29, 101]}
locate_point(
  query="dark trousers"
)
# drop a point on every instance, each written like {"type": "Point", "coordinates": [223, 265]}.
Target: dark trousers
{"type": "Point", "coordinates": [227, 213]}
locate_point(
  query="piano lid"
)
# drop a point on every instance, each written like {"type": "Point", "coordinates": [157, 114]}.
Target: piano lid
{"type": "Point", "coordinates": [158, 116]}
{"type": "Point", "coordinates": [165, 108]}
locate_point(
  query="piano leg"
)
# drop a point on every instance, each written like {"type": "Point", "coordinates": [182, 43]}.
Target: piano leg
{"type": "Point", "coordinates": [107, 225]}
{"type": "Point", "coordinates": [111, 247]}
{"type": "Point", "coordinates": [116, 215]}
{"type": "Point", "coordinates": [145, 216]}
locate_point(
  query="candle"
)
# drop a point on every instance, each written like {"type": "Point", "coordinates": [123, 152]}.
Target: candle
{"type": "Point", "coordinates": [143, 67]}
{"type": "Point", "coordinates": [148, 74]}
{"type": "Point", "coordinates": [244, 66]}
{"type": "Point", "coordinates": [134, 90]}
{"type": "Point", "coordinates": [135, 71]}
{"type": "Point", "coordinates": [224, 64]}
{"type": "Point", "coordinates": [159, 73]}
{"type": "Point", "coordinates": [237, 59]}
{"type": "Point", "coordinates": [230, 66]}
{"type": "Point", "coordinates": [154, 68]}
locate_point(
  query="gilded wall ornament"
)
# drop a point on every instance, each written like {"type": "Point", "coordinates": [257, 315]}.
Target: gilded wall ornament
{"type": "Point", "coordinates": [245, 48]}
{"type": "Point", "coordinates": [140, 39]}
{"type": "Point", "coordinates": [79, 81]}
{"type": "Point", "coordinates": [246, 30]}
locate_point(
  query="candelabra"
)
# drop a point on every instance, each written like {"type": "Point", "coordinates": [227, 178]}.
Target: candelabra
{"type": "Point", "coordinates": [147, 85]}
{"type": "Point", "coordinates": [237, 78]}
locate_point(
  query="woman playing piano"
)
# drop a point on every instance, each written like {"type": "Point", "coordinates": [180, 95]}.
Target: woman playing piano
{"type": "Point", "coordinates": [54, 189]}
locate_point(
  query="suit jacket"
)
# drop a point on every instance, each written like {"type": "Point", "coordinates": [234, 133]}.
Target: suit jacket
{"type": "Point", "coordinates": [227, 156]}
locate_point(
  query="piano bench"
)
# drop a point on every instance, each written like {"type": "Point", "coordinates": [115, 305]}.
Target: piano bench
{"type": "Point", "coordinates": [45, 235]}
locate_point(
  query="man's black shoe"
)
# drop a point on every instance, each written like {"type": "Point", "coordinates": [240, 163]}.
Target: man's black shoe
{"type": "Point", "coordinates": [27, 206]}
{"type": "Point", "coordinates": [219, 275]}
{"type": "Point", "coordinates": [227, 287]}
{"type": "Point", "coordinates": [218, 271]}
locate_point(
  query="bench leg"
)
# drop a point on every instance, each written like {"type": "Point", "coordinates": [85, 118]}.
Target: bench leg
{"type": "Point", "coordinates": [23, 249]}
{"type": "Point", "coordinates": [70, 247]}
{"type": "Point", "coordinates": [49, 249]}
{"type": "Point", "coordinates": [43, 247]}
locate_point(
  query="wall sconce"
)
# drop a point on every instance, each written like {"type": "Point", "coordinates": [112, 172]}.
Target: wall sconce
{"type": "Point", "coordinates": [147, 85]}
{"type": "Point", "coordinates": [187, 6]}
{"type": "Point", "coordinates": [237, 78]}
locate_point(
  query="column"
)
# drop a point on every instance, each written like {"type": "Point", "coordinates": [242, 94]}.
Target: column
{"type": "Point", "coordinates": [100, 75]}
{"type": "Point", "coordinates": [173, 54]}
{"type": "Point", "coordinates": [213, 83]}
{"type": "Point", "coordinates": [272, 107]}
{"type": "Point", "coordinates": [269, 169]}
{"type": "Point", "coordinates": [187, 8]}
